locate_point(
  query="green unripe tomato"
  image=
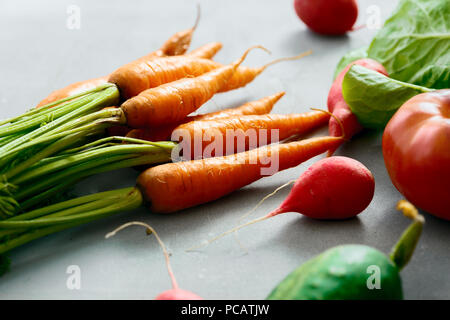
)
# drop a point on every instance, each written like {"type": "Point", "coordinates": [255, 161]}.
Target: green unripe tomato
{"type": "Point", "coordinates": [344, 272]}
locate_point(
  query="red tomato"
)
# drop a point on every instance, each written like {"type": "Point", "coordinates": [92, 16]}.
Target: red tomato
{"type": "Point", "coordinates": [416, 151]}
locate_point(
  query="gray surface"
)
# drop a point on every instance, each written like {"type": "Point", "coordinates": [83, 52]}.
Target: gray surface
{"type": "Point", "coordinates": [39, 54]}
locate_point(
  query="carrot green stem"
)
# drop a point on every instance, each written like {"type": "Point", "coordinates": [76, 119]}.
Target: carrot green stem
{"type": "Point", "coordinates": [403, 250]}
{"type": "Point", "coordinates": [42, 181]}
{"type": "Point", "coordinates": [101, 205]}
{"type": "Point", "coordinates": [108, 96]}
{"type": "Point", "coordinates": [96, 156]}
{"type": "Point", "coordinates": [58, 103]}
{"type": "Point", "coordinates": [93, 167]}
{"type": "Point", "coordinates": [52, 149]}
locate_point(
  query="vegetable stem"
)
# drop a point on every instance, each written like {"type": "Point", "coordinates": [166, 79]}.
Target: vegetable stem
{"type": "Point", "coordinates": [105, 204]}
{"type": "Point", "coordinates": [403, 250]}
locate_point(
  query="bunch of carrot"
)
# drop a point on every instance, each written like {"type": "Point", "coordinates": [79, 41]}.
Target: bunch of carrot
{"type": "Point", "coordinates": [64, 139]}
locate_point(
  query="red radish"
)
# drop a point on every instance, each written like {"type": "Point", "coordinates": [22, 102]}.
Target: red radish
{"type": "Point", "coordinates": [339, 108]}
{"type": "Point", "coordinates": [333, 188]}
{"type": "Point", "coordinates": [331, 17]}
{"type": "Point", "coordinates": [175, 293]}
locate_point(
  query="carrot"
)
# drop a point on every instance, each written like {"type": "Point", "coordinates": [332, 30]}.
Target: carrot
{"type": "Point", "coordinates": [175, 186]}
{"type": "Point", "coordinates": [207, 51]}
{"type": "Point", "coordinates": [177, 44]}
{"type": "Point", "coordinates": [245, 75]}
{"type": "Point", "coordinates": [162, 133]}
{"type": "Point", "coordinates": [237, 134]}
{"type": "Point", "coordinates": [137, 76]}
{"type": "Point", "coordinates": [166, 188]}
{"type": "Point", "coordinates": [140, 75]}
{"type": "Point", "coordinates": [261, 106]}
{"type": "Point", "coordinates": [73, 89]}
{"type": "Point", "coordinates": [172, 102]}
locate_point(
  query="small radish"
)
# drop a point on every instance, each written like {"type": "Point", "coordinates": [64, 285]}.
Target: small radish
{"type": "Point", "coordinates": [175, 293]}
{"type": "Point", "coordinates": [333, 188]}
{"type": "Point", "coordinates": [339, 108]}
{"type": "Point", "coordinates": [330, 17]}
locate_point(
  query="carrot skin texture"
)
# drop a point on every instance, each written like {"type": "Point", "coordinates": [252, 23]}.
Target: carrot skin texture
{"type": "Point", "coordinates": [207, 51]}
{"type": "Point", "coordinates": [161, 133]}
{"type": "Point", "coordinates": [140, 75]}
{"type": "Point", "coordinates": [177, 44]}
{"type": "Point", "coordinates": [176, 186]}
{"type": "Point", "coordinates": [172, 102]}
{"type": "Point", "coordinates": [242, 77]}
{"type": "Point", "coordinates": [338, 106]}
{"type": "Point", "coordinates": [286, 125]}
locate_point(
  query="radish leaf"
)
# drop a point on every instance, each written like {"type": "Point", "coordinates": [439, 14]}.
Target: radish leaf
{"type": "Point", "coordinates": [373, 97]}
{"type": "Point", "coordinates": [414, 43]}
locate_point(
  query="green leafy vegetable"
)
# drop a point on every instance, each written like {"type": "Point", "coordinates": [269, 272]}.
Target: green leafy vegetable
{"type": "Point", "coordinates": [414, 44]}
{"type": "Point", "coordinates": [349, 57]}
{"type": "Point", "coordinates": [373, 97]}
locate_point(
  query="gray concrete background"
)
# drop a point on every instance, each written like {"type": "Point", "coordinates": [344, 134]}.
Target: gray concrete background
{"type": "Point", "coordinates": [40, 54]}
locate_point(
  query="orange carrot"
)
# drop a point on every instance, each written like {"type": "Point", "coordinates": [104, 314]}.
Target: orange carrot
{"type": "Point", "coordinates": [172, 102]}
{"type": "Point", "coordinates": [245, 75]}
{"type": "Point", "coordinates": [207, 51]}
{"type": "Point", "coordinates": [177, 44]}
{"type": "Point", "coordinates": [72, 89]}
{"type": "Point", "coordinates": [261, 106]}
{"type": "Point", "coordinates": [140, 75]}
{"type": "Point", "coordinates": [246, 130]}
{"type": "Point", "coordinates": [143, 74]}
{"type": "Point", "coordinates": [161, 133]}
{"type": "Point", "coordinates": [176, 186]}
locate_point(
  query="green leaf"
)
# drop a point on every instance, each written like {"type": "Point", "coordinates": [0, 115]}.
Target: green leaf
{"type": "Point", "coordinates": [414, 43]}
{"type": "Point", "coordinates": [349, 57]}
{"type": "Point", "coordinates": [403, 250]}
{"type": "Point", "coordinates": [373, 97]}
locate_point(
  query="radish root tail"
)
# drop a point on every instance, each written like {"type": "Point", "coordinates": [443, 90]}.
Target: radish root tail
{"type": "Point", "coordinates": [197, 20]}
{"type": "Point", "coordinates": [241, 59]}
{"type": "Point", "coordinates": [264, 199]}
{"type": "Point", "coordinates": [220, 236]}
{"type": "Point", "coordinates": [149, 230]}
{"type": "Point", "coordinates": [243, 217]}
